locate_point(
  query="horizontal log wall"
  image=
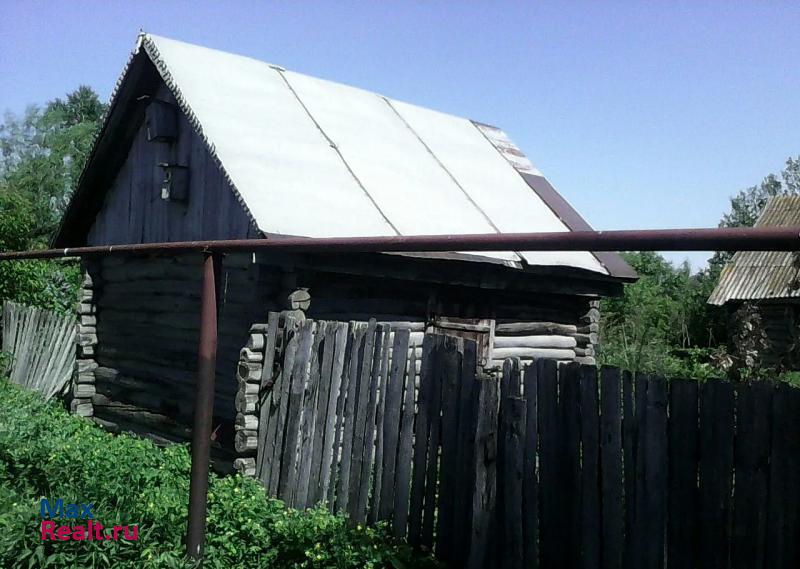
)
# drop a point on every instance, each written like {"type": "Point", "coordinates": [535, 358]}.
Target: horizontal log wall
{"type": "Point", "coordinates": [147, 322]}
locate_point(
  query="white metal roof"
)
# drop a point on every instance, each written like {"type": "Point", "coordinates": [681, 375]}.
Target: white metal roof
{"type": "Point", "coordinates": [320, 159]}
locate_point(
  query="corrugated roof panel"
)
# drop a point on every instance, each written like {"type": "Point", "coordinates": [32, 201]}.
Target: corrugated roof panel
{"type": "Point", "coordinates": [763, 275]}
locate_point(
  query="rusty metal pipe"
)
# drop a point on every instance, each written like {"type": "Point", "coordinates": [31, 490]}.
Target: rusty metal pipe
{"type": "Point", "coordinates": [203, 407]}
{"type": "Point", "coordinates": [719, 239]}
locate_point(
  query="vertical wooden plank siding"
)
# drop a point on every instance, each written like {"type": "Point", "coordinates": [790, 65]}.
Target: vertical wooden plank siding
{"type": "Point", "coordinates": [751, 466]}
{"type": "Point", "coordinates": [465, 474]}
{"type": "Point", "coordinates": [348, 418]}
{"type": "Point", "coordinates": [512, 432]}
{"type": "Point", "coordinates": [289, 460]}
{"type": "Point", "coordinates": [405, 453]}
{"type": "Point", "coordinates": [782, 525]}
{"type": "Point", "coordinates": [613, 538]}
{"type": "Point", "coordinates": [379, 426]}
{"type": "Point", "coordinates": [682, 526]}
{"type": "Point", "coordinates": [550, 548]}
{"type": "Point", "coordinates": [363, 401]}
{"type": "Point", "coordinates": [653, 516]}
{"type": "Point", "coordinates": [716, 473]}
{"type": "Point", "coordinates": [434, 441]}
{"type": "Point", "coordinates": [484, 498]}
{"type": "Point", "coordinates": [391, 422]}
{"type": "Point", "coordinates": [590, 468]}
{"type": "Point", "coordinates": [530, 490]}
{"type": "Point", "coordinates": [267, 399]}
{"type": "Point", "coordinates": [546, 466]}
{"type": "Point", "coordinates": [570, 479]}
{"type": "Point", "coordinates": [451, 355]}
{"type": "Point", "coordinates": [421, 434]}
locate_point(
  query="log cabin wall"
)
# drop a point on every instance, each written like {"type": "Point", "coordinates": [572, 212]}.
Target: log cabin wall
{"type": "Point", "coordinates": [148, 317]}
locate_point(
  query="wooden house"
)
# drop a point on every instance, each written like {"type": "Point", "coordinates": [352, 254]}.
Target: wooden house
{"type": "Point", "coordinates": [769, 280]}
{"type": "Point", "coordinates": [201, 144]}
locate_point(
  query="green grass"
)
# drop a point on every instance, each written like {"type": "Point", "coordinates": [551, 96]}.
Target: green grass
{"type": "Point", "coordinates": [47, 453]}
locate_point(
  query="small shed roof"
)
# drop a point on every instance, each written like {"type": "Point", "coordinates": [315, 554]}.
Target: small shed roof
{"type": "Point", "coordinates": [763, 275]}
{"type": "Point", "coordinates": [309, 157]}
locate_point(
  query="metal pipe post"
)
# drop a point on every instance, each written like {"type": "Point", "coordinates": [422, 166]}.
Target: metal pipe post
{"type": "Point", "coordinates": [203, 407]}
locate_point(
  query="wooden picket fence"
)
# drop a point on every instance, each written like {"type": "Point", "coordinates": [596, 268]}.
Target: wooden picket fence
{"type": "Point", "coordinates": [543, 466]}
{"type": "Point", "coordinates": [42, 347]}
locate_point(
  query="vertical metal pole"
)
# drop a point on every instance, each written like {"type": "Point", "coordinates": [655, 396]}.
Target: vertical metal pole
{"type": "Point", "coordinates": [203, 408]}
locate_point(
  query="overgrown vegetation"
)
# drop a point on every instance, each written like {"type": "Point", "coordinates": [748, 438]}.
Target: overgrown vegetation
{"type": "Point", "coordinates": [662, 323]}
{"type": "Point", "coordinates": [41, 157]}
{"type": "Point", "coordinates": [45, 452]}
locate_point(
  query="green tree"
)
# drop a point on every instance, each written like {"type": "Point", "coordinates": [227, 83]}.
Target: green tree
{"type": "Point", "coordinates": [42, 154]}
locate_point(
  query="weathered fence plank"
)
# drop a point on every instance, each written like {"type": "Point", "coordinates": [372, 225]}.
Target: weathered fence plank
{"type": "Point", "coordinates": [405, 456]}
{"type": "Point", "coordinates": [782, 513]}
{"type": "Point", "coordinates": [716, 473]}
{"type": "Point", "coordinates": [530, 490]}
{"type": "Point", "coordinates": [485, 496]}
{"type": "Point", "coordinates": [391, 422]}
{"type": "Point", "coordinates": [590, 471]}
{"type": "Point", "coordinates": [683, 460]}
{"type": "Point", "coordinates": [613, 526]}
{"type": "Point", "coordinates": [550, 525]}
{"type": "Point", "coordinates": [751, 464]}
{"type": "Point", "coordinates": [546, 466]}
{"type": "Point", "coordinates": [570, 478]}
{"type": "Point", "coordinates": [653, 517]}
{"type": "Point", "coordinates": [512, 432]}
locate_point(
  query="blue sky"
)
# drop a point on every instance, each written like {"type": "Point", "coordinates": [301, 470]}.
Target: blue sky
{"type": "Point", "coordinates": [643, 115]}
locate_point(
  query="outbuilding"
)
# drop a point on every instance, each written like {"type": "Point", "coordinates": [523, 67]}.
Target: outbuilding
{"type": "Point", "coordinates": [199, 144]}
{"type": "Point", "coordinates": [769, 281]}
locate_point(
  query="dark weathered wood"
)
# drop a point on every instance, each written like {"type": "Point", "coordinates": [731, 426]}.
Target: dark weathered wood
{"type": "Point", "coordinates": [751, 463]}
{"type": "Point", "coordinates": [369, 425]}
{"type": "Point", "coordinates": [309, 416]}
{"type": "Point", "coordinates": [405, 456]}
{"type": "Point", "coordinates": [363, 400]}
{"type": "Point", "coordinates": [323, 407]}
{"type": "Point", "coordinates": [683, 461]}
{"type": "Point", "coordinates": [450, 360]}
{"type": "Point", "coordinates": [485, 495]}
{"type": "Point", "coordinates": [284, 387]}
{"type": "Point", "coordinates": [530, 481]}
{"type": "Point", "coordinates": [421, 433]}
{"type": "Point", "coordinates": [465, 478]}
{"type": "Point", "coordinates": [570, 479]}
{"type": "Point", "coordinates": [377, 469]}
{"type": "Point", "coordinates": [358, 339]}
{"type": "Point", "coordinates": [512, 433]}
{"type": "Point", "coordinates": [611, 483]}
{"type": "Point", "coordinates": [782, 513]}
{"type": "Point", "coordinates": [289, 460]}
{"type": "Point", "coordinates": [590, 468]}
{"type": "Point", "coordinates": [391, 422]}
{"type": "Point", "coordinates": [434, 441]}
{"type": "Point", "coordinates": [629, 464]}
{"type": "Point", "coordinates": [550, 522]}
{"type": "Point", "coordinates": [653, 518]}
{"type": "Point", "coordinates": [635, 470]}
{"type": "Point", "coordinates": [344, 337]}
{"type": "Point", "coordinates": [716, 473]}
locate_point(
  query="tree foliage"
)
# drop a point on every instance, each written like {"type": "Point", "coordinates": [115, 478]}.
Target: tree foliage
{"type": "Point", "coordinates": [42, 154]}
{"type": "Point", "coordinates": [663, 324]}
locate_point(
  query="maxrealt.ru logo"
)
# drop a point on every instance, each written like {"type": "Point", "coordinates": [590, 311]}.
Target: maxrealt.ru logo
{"type": "Point", "coordinates": [92, 531]}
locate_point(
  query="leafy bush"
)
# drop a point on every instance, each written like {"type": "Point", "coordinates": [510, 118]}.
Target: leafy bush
{"type": "Point", "coordinates": [45, 452]}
